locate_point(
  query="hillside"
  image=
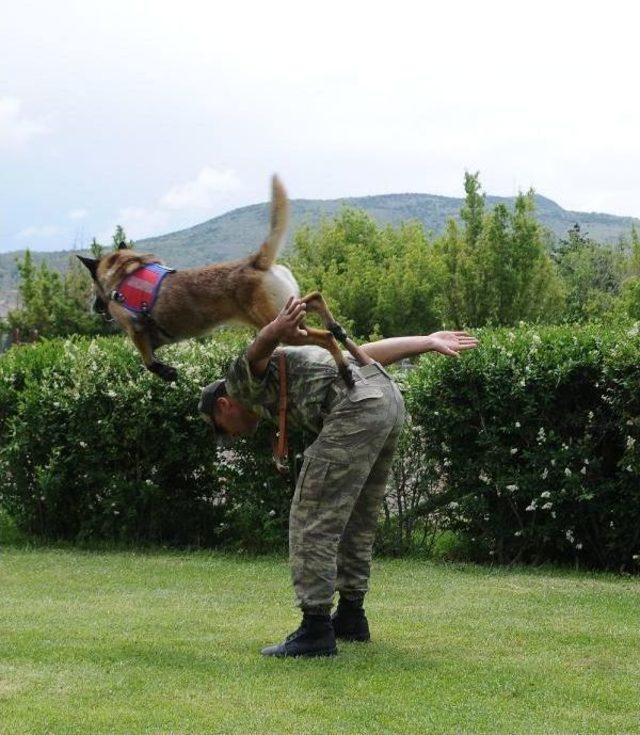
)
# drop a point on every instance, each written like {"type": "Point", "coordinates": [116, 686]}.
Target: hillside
{"type": "Point", "coordinates": [238, 232]}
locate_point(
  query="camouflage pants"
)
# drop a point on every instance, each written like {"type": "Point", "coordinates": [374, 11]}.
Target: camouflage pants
{"type": "Point", "coordinates": [340, 489]}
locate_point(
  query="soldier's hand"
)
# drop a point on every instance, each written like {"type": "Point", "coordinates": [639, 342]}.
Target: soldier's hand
{"type": "Point", "coordinates": [286, 325]}
{"type": "Point", "coordinates": [451, 343]}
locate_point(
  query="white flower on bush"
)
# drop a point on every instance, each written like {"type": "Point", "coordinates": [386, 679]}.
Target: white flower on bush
{"type": "Point", "coordinates": [483, 477]}
{"type": "Point", "coordinates": [272, 513]}
{"type": "Point", "coordinates": [583, 471]}
{"type": "Point", "coordinates": [578, 546]}
{"type": "Point", "coordinates": [567, 472]}
{"type": "Point", "coordinates": [553, 514]}
{"type": "Point", "coordinates": [532, 505]}
{"type": "Point", "coordinates": [83, 444]}
{"type": "Point", "coordinates": [545, 473]}
{"type": "Point", "coordinates": [630, 442]}
{"type": "Point", "coordinates": [545, 494]}
{"type": "Point", "coordinates": [512, 488]}
{"type": "Point", "coordinates": [547, 506]}
{"type": "Point", "coordinates": [453, 505]}
{"type": "Point", "coordinates": [514, 450]}
{"type": "Point", "coordinates": [111, 393]}
{"type": "Point", "coordinates": [518, 533]}
{"type": "Point", "coordinates": [542, 436]}
{"type": "Point", "coordinates": [517, 424]}
{"type": "Point", "coordinates": [569, 536]}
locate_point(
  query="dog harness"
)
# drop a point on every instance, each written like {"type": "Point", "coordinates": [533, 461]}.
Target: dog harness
{"type": "Point", "coordinates": [138, 291]}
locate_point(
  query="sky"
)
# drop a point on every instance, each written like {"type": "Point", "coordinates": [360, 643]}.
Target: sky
{"type": "Point", "coordinates": [160, 115]}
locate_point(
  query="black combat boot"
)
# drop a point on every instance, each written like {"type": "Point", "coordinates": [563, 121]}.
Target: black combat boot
{"type": "Point", "coordinates": [349, 621]}
{"type": "Point", "coordinates": [314, 637]}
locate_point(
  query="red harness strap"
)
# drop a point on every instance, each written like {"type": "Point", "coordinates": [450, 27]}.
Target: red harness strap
{"type": "Point", "coordinates": [138, 291]}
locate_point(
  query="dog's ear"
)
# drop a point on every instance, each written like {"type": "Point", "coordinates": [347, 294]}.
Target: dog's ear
{"type": "Point", "coordinates": [122, 245]}
{"type": "Point", "coordinates": [91, 264]}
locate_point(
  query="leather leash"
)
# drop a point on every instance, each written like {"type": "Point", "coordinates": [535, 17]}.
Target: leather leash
{"type": "Point", "coordinates": [280, 446]}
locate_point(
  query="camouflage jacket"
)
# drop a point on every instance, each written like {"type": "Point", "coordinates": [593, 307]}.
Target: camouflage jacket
{"type": "Point", "coordinates": [311, 371]}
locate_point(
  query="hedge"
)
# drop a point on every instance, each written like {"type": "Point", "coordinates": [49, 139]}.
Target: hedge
{"type": "Point", "coordinates": [92, 446]}
{"type": "Point", "coordinates": [535, 437]}
{"type": "Point", "coordinates": [526, 448]}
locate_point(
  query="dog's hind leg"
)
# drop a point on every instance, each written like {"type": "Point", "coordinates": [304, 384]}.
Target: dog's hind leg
{"type": "Point", "coordinates": [324, 338]}
{"type": "Point", "coordinates": [142, 340]}
{"type": "Point", "coordinates": [315, 303]}
{"type": "Point", "coordinates": [264, 312]}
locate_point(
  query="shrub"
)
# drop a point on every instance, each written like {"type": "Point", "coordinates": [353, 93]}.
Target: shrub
{"type": "Point", "coordinates": [535, 435]}
{"type": "Point", "coordinates": [526, 448]}
{"type": "Point", "coordinates": [92, 446]}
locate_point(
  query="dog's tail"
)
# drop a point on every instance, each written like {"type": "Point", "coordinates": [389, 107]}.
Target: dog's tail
{"type": "Point", "coordinates": [266, 256]}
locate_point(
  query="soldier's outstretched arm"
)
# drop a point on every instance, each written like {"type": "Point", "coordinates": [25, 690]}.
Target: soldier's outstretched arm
{"type": "Point", "coordinates": [386, 351]}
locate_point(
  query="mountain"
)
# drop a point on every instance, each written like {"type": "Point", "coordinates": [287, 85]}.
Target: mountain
{"type": "Point", "coordinates": [237, 233]}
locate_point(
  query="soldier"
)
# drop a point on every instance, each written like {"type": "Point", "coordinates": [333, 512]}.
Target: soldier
{"type": "Point", "coordinates": [342, 480]}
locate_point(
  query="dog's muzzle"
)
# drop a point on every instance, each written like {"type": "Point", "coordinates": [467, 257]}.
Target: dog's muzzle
{"type": "Point", "coordinates": [100, 307]}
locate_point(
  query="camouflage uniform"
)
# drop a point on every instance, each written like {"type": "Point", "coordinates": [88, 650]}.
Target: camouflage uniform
{"type": "Point", "coordinates": [343, 477]}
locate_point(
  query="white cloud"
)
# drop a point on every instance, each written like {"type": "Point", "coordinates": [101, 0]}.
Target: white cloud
{"type": "Point", "coordinates": [77, 214]}
{"type": "Point", "coordinates": [204, 192]}
{"type": "Point", "coordinates": [38, 231]}
{"type": "Point", "coordinates": [138, 222]}
{"type": "Point", "coordinates": [16, 129]}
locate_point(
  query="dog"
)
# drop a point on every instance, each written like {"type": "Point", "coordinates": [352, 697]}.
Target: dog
{"type": "Point", "coordinates": [156, 306]}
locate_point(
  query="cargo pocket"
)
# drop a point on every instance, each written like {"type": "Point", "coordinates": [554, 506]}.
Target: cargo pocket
{"type": "Point", "coordinates": [361, 392]}
{"type": "Point", "coordinates": [311, 479]}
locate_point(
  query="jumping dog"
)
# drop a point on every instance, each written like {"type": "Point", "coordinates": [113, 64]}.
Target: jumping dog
{"type": "Point", "coordinates": [156, 305]}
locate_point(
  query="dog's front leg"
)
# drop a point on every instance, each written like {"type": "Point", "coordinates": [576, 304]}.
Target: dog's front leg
{"type": "Point", "coordinates": [142, 341]}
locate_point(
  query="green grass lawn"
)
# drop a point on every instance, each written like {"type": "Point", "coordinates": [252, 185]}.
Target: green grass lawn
{"type": "Point", "coordinates": [162, 642]}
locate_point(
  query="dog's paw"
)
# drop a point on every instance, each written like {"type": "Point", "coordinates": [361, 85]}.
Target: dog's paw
{"type": "Point", "coordinates": [338, 331]}
{"type": "Point", "coordinates": [166, 372]}
{"type": "Point", "coordinates": [347, 376]}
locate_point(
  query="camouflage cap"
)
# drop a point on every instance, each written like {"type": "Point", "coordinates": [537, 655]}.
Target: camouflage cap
{"type": "Point", "coordinates": [207, 402]}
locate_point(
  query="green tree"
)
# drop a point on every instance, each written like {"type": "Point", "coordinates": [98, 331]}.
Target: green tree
{"type": "Point", "coordinates": [592, 274]}
{"type": "Point", "coordinates": [496, 269]}
{"type": "Point", "coordinates": [472, 212]}
{"type": "Point", "coordinates": [377, 280]}
{"type": "Point", "coordinates": [119, 239]}
{"type": "Point", "coordinates": [52, 304]}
